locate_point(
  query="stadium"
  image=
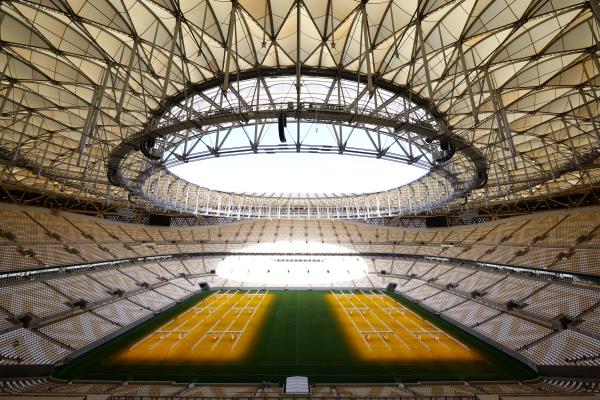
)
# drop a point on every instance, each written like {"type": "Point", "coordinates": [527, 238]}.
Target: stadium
{"type": "Point", "coordinates": [308, 199]}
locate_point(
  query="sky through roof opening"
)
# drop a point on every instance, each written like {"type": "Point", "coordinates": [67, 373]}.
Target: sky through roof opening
{"type": "Point", "coordinates": [298, 174]}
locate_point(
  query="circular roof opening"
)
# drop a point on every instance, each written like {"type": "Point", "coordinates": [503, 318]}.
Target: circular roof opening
{"type": "Point", "coordinates": [267, 147]}
{"type": "Point", "coordinates": [298, 174]}
{"type": "Point", "coordinates": [336, 141]}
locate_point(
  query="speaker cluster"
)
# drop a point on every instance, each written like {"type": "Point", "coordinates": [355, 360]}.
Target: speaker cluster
{"type": "Point", "coordinates": [447, 151]}
{"type": "Point", "coordinates": [281, 124]}
{"type": "Point", "coordinates": [148, 148]}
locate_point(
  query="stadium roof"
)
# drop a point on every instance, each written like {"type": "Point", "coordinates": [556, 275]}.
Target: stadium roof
{"type": "Point", "coordinates": [513, 84]}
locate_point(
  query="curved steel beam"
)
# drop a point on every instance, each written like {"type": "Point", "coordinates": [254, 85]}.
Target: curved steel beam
{"type": "Point", "coordinates": [326, 113]}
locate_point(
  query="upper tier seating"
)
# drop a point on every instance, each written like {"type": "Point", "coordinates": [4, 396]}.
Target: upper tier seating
{"type": "Point", "coordinates": [20, 225]}
{"type": "Point", "coordinates": [140, 274]}
{"type": "Point", "coordinates": [115, 279]}
{"type": "Point", "coordinates": [572, 228]}
{"type": "Point", "coordinates": [81, 287]}
{"type": "Point", "coordinates": [479, 281]}
{"type": "Point", "coordinates": [555, 300]}
{"type": "Point", "coordinates": [36, 298]}
{"type": "Point", "coordinates": [512, 288]}
{"type": "Point", "coordinates": [566, 240]}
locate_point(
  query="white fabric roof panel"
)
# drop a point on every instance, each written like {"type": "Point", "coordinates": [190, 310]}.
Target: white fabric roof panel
{"type": "Point", "coordinates": [78, 77]}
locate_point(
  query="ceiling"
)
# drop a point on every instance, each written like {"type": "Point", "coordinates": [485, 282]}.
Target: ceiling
{"type": "Point", "coordinates": [517, 79]}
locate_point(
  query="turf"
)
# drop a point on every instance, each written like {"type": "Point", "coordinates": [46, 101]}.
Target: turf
{"type": "Point", "coordinates": [300, 336]}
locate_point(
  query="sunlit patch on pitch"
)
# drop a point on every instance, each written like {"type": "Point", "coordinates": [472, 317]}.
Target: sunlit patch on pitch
{"type": "Point", "coordinates": [379, 329]}
{"type": "Point", "coordinates": [220, 328]}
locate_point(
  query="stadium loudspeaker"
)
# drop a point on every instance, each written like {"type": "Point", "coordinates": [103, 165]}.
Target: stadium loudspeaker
{"type": "Point", "coordinates": [391, 287]}
{"type": "Point", "coordinates": [159, 220]}
{"type": "Point", "coordinates": [439, 221]}
{"type": "Point", "coordinates": [147, 148]}
{"type": "Point", "coordinates": [281, 124]}
{"type": "Point", "coordinates": [448, 150]}
{"type": "Point", "coordinates": [483, 178]}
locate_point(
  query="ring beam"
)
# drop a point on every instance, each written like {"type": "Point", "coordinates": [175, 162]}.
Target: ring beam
{"type": "Point", "coordinates": [455, 166]}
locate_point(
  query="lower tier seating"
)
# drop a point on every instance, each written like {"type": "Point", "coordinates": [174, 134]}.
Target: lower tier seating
{"type": "Point", "coordinates": [511, 331]}
{"type": "Point", "coordinates": [566, 348]}
{"type": "Point", "coordinates": [122, 312]}
{"type": "Point", "coordinates": [471, 313]}
{"type": "Point", "coordinates": [26, 347]}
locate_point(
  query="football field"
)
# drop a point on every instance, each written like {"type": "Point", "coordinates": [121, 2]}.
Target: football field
{"type": "Point", "coordinates": [330, 336]}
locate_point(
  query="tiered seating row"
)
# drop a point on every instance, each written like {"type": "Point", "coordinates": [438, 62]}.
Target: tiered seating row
{"type": "Point", "coordinates": [566, 348]}
{"type": "Point", "coordinates": [540, 298]}
{"type": "Point", "coordinates": [422, 292]}
{"type": "Point", "coordinates": [529, 338]}
{"type": "Point", "coordinates": [591, 322]}
{"type": "Point", "coordinates": [431, 390]}
{"type": "Point", "coordinates": [443, 301]}
{"type": "Point", "coordinates": [55, 298]}
{"type": "Point", "coordinates": [471, 313]}
{"type": "Point", "coordinates": [26, 347]}
{"type": "Point", "coordinates": [35, 298]}
{"type": "Point", "coordinates": [556, 300]}
{"type": "Point", "coordinates": [511, 331]}
{"type": "Point", "coordinates": [561, 240]}
{"type": "Point", "coordinates": [172, 291]}
{"type": "Point", "coordinates": [151, 300]}
{"type": "Point", "coordinates": [122, 312]}
{"type": "Point", "coordinates": [512, 288]}
{"type": "Point", "coordinates": [80, 330]}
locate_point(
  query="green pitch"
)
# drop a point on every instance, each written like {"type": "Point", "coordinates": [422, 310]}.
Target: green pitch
{"type": "Point", "coordinates": [300, 336]}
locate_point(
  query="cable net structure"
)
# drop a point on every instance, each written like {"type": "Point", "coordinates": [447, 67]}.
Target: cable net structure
{"type": "Point", "coordinates": [499, 98]}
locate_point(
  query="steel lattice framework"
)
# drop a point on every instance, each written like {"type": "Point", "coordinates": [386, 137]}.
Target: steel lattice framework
{"type": "Point", "coordinates": [513, 83]}
{"type": "Point", "coordinates": [242, 120]}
